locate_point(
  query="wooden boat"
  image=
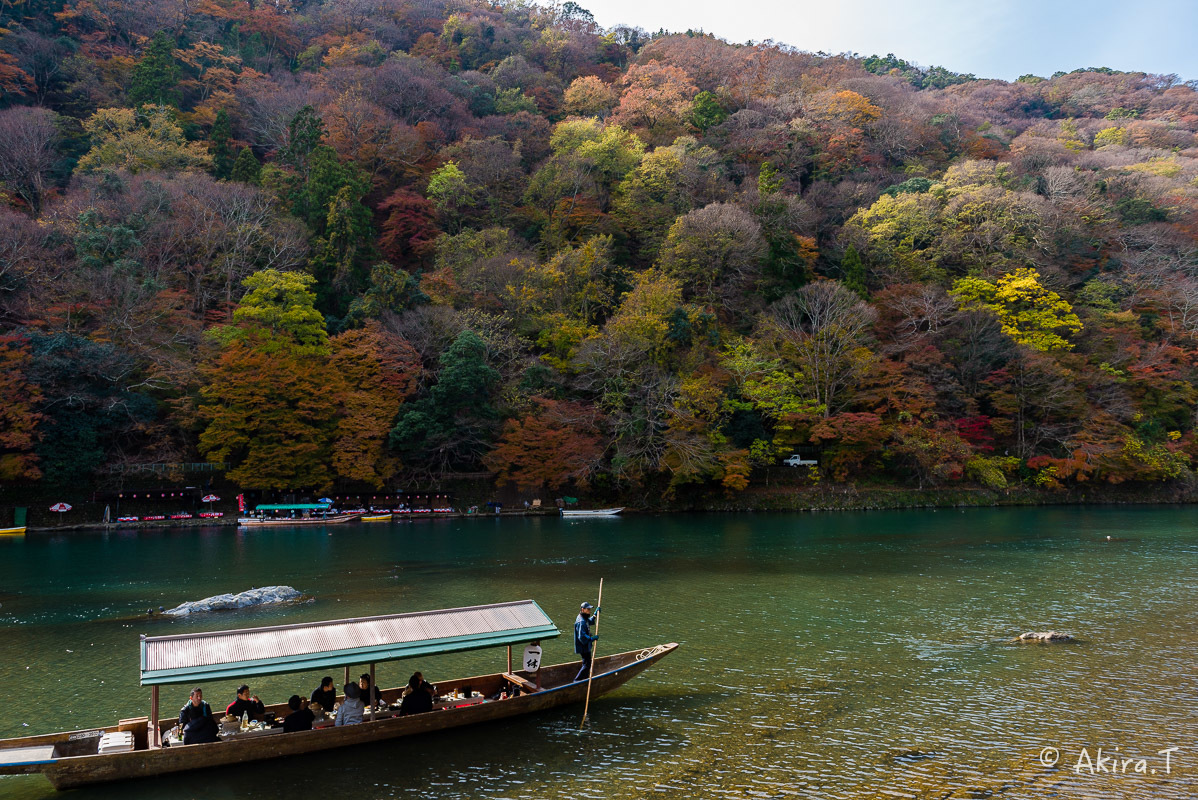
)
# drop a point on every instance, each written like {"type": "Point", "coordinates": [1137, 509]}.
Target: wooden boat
{"type": "Point", "coordinates": [594, 512]}
{"type": "Point", "coordinates": [272, 514]}
{"type": "Point", "coordinates": [262, 522]}
{"type": "Point", "coordinates": [376, 517]}
{"type": "Point", "coordinates": [13, 531]}
{"type": "Point", "coordinates": [70, 759]}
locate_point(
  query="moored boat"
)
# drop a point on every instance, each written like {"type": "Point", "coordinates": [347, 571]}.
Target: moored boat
{"type": "Point", "coordinates": [592, 512]}
{"type": "Point", "coordinates": [376, 517]}
{"type": "Point", "coordinates": [78, 758]}
{"type": "Point", "coordinates": [295, 514]}
{"type": "Point", "coordinates": [13, 531]}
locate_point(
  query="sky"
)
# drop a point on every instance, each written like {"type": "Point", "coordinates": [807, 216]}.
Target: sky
{"type": "Point", "coordinates": [993, 39]}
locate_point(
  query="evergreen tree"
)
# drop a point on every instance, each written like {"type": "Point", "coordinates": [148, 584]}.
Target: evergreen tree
{"type": "Point", "coordinates": [852, 272]}
{"type": "Point", "coordinates": [788, 257]}
{"type": "Point", "coordinates": [246, 168]}
{"type": "Point", "coordinates": [453, 425]}
{"type": "Point", "coordinates": [391, 289]}
{"type": "Point", "coordinates": [706, 111]}
{"type": "Point", "coordinates": [222, 149]}
{"type": "Point", "coordinates": [304, 134]}
{"type": "Point", "coordinates": [340, 253]}
{"type": "Point", "coordinates": [156, 74]}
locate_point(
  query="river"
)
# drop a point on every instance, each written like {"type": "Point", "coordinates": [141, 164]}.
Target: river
{"type": "Point", "coordinates": [853, 655]}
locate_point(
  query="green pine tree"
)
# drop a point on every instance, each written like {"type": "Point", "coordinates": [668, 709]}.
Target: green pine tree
{"type": "Point", "coordinates": [304, 134]}
{"type": "Point", "coordinates": [222, 148]}
{"type": "Point", "coordinates": [338, 257]}
{"type": "Point", "coordinates": [246, 168]}
{"type": "Point", "coordinates": [852, 272]}
{"type": "Point", "coordinates": [156, 74]}
{"type": "Point", "coordinates": [706, 111]}
{"type": "Point", "coordinates": [768, 180]}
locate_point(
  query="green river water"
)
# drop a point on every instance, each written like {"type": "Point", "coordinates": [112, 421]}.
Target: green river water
{"type": "Point", "coordinates": [823, 656]}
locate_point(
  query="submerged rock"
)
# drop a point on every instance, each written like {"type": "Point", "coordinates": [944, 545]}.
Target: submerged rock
{"type": "Point", "coordinates": [1044, 636]}
{"type": "Point", "coordinates": [264, 596]}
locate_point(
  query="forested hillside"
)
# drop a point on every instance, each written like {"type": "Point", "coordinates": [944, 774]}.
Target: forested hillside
{"type": "Point", "coordinates": [369, 242]}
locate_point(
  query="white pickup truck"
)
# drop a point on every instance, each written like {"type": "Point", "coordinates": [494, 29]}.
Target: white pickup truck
{"type": "Point", "coordinates": [797, 460]}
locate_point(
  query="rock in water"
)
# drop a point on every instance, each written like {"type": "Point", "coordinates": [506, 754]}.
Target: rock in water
{"type": "Point", "coordinates": [266, 595]}
{"type": "Point", "coordinates": [1044, 636]}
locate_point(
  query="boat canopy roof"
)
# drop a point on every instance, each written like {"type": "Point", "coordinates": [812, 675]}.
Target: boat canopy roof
{"type": "Point", "coordinates": [197, 657]}
{"type": "Point", "coordinates": [296, 507]}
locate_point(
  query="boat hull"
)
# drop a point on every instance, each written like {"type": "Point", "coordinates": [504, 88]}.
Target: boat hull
{"type": "Point", "coordinates": [597, 512]}
{"type": "Point", "coordinates": [610, 673]}
{"type": "Point", "coordinates": [257, 522]}
{"type": "Point", "coordinates": [12, 531]}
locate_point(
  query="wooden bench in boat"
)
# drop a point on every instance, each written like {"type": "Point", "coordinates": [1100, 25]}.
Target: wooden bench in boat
{"type": "Point", "coordinates": [524, 684]}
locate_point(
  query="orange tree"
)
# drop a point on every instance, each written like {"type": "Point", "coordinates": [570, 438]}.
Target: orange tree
{"type": "Point", "coordinates": [555, 443]}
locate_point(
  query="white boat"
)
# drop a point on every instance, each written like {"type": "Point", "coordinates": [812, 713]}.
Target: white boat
{"type": "Point", "coordinates": [592, 512]}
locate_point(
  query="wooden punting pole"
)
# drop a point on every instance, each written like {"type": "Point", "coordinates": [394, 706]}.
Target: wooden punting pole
{"type": "Point", "coordinates": [155, 736]}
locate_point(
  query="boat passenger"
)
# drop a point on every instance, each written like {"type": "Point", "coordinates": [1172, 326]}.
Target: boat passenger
{"type": "Point", "coordinates": [583, 638]}
{"type": "Point", "coordinates": [195, 719]}
{"type": "Point", "coordinates": [350, 712]}
{"type": "Point", "coordinates": [300, 718]}
{"type": "Point", "coordinates": [245, 704]}
{"type": "Point", "coordinates": [418, 696]}
{"type": "Point", "coordinates": [326, 695]}
{"type": "Point", "coordinates": [370, 694]}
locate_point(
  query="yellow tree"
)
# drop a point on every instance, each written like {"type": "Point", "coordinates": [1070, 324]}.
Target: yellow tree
{"type": "Point", "coordinates": [589, 96]}
{"type": "Point", "coordinates": [1030, 314]}
{"type": "Point", "coordinates": [148, 138]}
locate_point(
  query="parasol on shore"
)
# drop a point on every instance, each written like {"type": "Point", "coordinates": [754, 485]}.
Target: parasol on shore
{"type": "Point", "coordinates": [209, 498]}
{"type": "Point", "coordinates": [60, 507]}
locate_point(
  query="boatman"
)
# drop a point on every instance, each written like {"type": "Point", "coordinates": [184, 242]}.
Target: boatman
{"type": "Point", "coordinates": [583, 638]}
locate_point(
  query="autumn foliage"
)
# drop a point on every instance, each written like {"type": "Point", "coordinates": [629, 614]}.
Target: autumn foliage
{"type": "Point", "coordinates": [556, 444]}
{"type": "Point", "coordinates": [324, 245]}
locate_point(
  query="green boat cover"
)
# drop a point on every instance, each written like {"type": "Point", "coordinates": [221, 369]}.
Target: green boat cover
{"type": "Point", "coordinates": [220, 655]}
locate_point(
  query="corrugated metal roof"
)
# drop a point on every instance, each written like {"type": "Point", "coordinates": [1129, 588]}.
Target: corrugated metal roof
{"type": "Point", "coordinates": [196, 657]}
{"type": "Point", "coordinates": [295, 507]}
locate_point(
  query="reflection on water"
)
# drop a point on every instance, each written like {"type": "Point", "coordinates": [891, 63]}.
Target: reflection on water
{"type": "Point", "coordinates": [847, 656]}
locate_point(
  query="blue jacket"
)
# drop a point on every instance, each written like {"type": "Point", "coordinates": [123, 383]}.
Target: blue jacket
{"type": "Point", "coordinates": [582, 634]}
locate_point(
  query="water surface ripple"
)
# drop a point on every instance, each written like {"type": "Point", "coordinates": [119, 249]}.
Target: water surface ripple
{"type": "Point", "coordinates": [824, 656]}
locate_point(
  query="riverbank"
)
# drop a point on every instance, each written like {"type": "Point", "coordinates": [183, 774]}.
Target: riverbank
{"type": "Point", "coordinates": [779, 497]}
{"type": "Point", "coordinates": [853, 497]}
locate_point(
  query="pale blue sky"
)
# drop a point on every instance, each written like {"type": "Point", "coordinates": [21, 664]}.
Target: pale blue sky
{"type": "Point", "coordinates": [994, 39]}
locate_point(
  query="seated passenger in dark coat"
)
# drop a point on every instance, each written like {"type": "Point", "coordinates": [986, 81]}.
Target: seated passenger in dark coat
{"type": "Point", "coordinates": [418, 697]}
{"type": "Point", "coordinates": [371, 696]}
{"type": "Point", "coordinates": [300, 718]}
{"type": "Point", "coordinates": [244, 704]}
{"type": "Point", "coordinates": [195, 720]}
{"type": "Point", "coordinates": [326, 695]}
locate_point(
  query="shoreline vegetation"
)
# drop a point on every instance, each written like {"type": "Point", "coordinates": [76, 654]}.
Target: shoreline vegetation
{"type": "Point", "coordinates": [778, 499]}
